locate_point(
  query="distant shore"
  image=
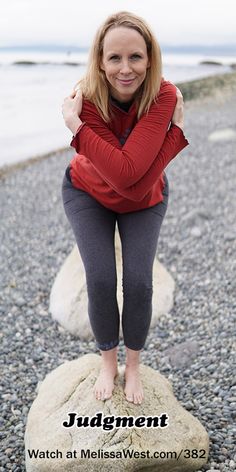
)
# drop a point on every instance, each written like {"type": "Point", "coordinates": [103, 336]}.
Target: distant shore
{"type": "Point", "coordinates": [218, 86]}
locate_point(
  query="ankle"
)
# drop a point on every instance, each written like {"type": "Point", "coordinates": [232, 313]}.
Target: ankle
{"type": "Point", "coordinates": [109, 367]}
{"type": "Point", "coordinates": [109, 358]}
{"type": "Point", "coordinates": [132, 359]}
{"type": "Point", "coordinates": [132, 367]}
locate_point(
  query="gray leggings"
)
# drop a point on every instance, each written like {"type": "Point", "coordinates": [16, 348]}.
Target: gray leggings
{"type": "Point", "coordinates": [94, 228]}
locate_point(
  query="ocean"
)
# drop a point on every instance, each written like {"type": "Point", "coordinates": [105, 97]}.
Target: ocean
{"type": "Point", "coordinates": [31, 95]}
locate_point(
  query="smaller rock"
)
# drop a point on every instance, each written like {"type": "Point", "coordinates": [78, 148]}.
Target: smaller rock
{"type": "Point", "coordinates": [196, 232]}
{"type": "Point", "coordinates": [226, 134]}
{"type": "Point", "coordinates": [182, 354]}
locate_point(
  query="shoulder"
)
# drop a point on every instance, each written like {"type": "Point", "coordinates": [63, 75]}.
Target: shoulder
{"type": "Point", "coordinates": [166, 93]}
{"type": "Point", "coordinates": [89, 106]}
{"type": "Point", "coordinates": [166, 88]}
{"type": "Point", "coordinates": [90, 111]}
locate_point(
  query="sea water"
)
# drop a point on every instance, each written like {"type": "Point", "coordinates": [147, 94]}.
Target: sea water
{"type": "Point", "coordinates": [31, 96]}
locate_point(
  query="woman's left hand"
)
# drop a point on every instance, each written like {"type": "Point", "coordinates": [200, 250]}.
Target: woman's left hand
{"type": "Point", "coordinates": [71, 110]}
{"type": "Point", "coordinates": [178, 115]}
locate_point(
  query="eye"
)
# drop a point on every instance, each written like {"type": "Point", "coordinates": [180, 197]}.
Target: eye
{"type": "Point", "coordinates": [114, 58]}
{"type": "Point", "coordinates": [136, 56]}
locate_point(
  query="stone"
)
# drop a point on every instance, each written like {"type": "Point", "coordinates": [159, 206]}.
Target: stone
{"type": "Point", "coordinates": [68, 298]}
{"type": "Point", "coordinates": [196, 232]}
{"type": "Point", "coordinates": [182, 354]}
{"type": "Point", "coordinates": [226, 134]}
{"type": "Point", "coordinates": [69, 389]}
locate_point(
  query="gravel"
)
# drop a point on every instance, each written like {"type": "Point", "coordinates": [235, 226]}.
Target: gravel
{"type": "Point", "coordinates": [193, 346]}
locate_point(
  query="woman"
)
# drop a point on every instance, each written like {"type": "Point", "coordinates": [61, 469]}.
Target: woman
{"type": "Point", "coordinates": [127, 124]}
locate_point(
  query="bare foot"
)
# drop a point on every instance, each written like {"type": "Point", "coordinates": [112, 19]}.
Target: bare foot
{"type": "Point", "coordinates": [133, 386]}
{"type": "Point", "coordinates": [104, 384]}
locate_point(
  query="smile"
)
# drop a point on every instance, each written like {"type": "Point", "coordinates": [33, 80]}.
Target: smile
{"type": "Point", "coordinates": [125, 82]}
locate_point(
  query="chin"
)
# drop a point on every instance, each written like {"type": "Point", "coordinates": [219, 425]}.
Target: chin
{"type": "Point", "coordinates": [127, 94]}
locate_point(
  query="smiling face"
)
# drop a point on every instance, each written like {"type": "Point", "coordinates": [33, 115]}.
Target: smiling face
{"type": "Point", "coordinates": [124, 61]}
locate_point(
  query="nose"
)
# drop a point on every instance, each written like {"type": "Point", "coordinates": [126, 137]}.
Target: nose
{"type": "Point", "coordinates": [125, 67]}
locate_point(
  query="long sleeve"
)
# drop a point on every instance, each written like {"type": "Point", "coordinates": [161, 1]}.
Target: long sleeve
{"type": "Point", "coordinates": [174, 142]}
{"type": "Point", "coordinates": [137, 191]}
{"type": "Point", "coordinates": [171, 147]}
{"type": "Point", "coordinates": [124, 167]}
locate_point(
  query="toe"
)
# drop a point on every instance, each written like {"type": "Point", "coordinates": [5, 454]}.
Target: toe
{"type": "Point", "coordinates": [129, 398]}
{"type": "Point", "coordinates": [136, 399]}
{"type": "Point", "coordinates": [108, 393]}
{"type": "Point", "coordinates": [140, 398]}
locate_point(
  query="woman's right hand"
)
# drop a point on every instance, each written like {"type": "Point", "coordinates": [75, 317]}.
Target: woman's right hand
{"type": "Point", "coordinates": [178, 115]}
{"type": "Point", "coordinates": [71, 110]}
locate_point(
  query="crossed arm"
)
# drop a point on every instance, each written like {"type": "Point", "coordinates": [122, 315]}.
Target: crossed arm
{"type": "Point", "coordinates": [133, 169]}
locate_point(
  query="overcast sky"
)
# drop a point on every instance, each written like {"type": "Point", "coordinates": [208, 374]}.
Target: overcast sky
{"type": "Point", "coordinates": [74, 22]}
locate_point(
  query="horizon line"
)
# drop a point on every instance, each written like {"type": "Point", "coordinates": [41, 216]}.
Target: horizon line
{"type": "Point", "coordinates": [86, 48]}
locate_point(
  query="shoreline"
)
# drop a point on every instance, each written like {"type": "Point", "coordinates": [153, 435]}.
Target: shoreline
{"type": "Point", "coordinates": [219, 86]}
{"type": "Point", "coordinates": [9, 168]}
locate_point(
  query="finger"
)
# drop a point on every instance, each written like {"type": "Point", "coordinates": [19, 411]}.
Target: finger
{"type": "Point", "coordinates": [78, 93]}
{"type": "Point", "coordinates": [73, 93]}
{"type": "Point", "coordinates": [180, 99]}
{"type": "Point", "coordinates": [178, 92]}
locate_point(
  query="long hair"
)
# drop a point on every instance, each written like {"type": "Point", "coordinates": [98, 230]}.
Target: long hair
{"type": "Point", "coordinates": [94, 85]}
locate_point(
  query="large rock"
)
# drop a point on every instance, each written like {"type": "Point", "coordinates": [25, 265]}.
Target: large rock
{"type": "Point", "coordinates": [68, 298]}
{"type": "Point", "coordinates": [69, 388]}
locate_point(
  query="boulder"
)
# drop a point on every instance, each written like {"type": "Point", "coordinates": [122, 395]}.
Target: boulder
{"type": "Point", "coordinates": [69, 302]}
{"type": "Point", "coordinates": [50, 446]}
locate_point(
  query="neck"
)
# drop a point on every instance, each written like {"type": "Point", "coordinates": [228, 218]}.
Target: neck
{"type": "Point", "coordinates": [125, 106]}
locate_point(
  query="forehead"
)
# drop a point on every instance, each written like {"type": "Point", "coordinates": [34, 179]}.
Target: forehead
{"type": "Point", "coordinates": [123, 37]}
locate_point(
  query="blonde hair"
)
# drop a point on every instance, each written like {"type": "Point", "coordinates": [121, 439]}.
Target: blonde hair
{"type": "Point", "coordinates": [94, 85]}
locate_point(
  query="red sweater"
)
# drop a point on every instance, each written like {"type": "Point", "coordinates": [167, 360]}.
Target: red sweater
{"type": "Point", "coordinates": [121, 163]}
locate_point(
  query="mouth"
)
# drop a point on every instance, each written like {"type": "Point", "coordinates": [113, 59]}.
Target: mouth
{"type": "Point", "coordinates": [125, 81]}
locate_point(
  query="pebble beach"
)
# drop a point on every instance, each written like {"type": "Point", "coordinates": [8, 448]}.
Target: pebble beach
{"type": "Point", "coordinates": [193, 345]}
